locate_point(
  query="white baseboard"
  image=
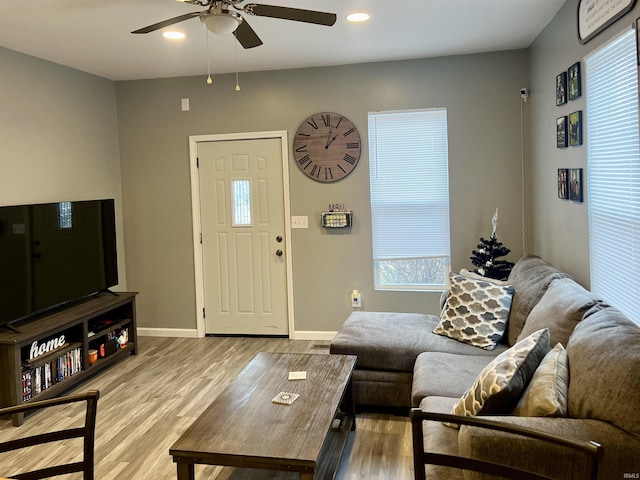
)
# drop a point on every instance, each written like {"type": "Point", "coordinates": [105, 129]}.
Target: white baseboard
{"type": "Point", "coordinates": [193, 333]}
{"type": "Point", "coordinates": [311, 335]}
{"type": "Point", "coordinates": [167, 332]}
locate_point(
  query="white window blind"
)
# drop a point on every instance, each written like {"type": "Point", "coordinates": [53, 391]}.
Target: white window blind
{"type": "Point", "coordinates": [408, 153]}
{"type": "Point", "coordinates": [614, 172]}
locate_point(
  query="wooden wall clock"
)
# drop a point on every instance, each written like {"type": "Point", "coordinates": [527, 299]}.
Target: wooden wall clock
{"type": "Point", "coordinates": [327, 147]}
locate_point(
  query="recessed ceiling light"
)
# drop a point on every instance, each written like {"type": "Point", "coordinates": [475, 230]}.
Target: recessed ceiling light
{"type": "Point", "coordinates": [173, 35]}
{"type": "Point", "coordinates": [358, 17]}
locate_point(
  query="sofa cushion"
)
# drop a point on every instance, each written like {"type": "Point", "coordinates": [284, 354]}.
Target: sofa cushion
{"type": "Point", "coordinates": [530, 278]}
{"type": "Point", "coordinates": [546, 395]}
{"type": "Point", "coordinates": [501, 383]}
{"type": "Point", "coordinates": [604, 368]}
{"type": "Point", "coordinates": [392, 341]}
{"type": "Point", "coordinates": [382, 388]}
{"type": "Point", "coordinates": [446, 374]}
{"type": "Point", "coordinates": [475, 312]}
{"type": "Point", "coordinates": [560, 309]}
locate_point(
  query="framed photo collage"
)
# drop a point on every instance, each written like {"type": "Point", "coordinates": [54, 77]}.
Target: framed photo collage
{"type": "Point", "coordinates": [569, 131]}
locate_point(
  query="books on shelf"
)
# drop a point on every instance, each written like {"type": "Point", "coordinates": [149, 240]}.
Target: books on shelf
{"type": "Point", "coordinates": [36, 380]}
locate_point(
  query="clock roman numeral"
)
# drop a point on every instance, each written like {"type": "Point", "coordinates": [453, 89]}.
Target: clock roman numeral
{"type": "Point", "coordinates": [326, 119]}
{"type": "Point", "coordinates": [302, 148]}
{"type": "Point", "coordinates": [300, 134]}
{"type": "Point", "coordinates": [353, 145]}
{"type": "Point", "coordinates": [305, 159]}
{"type": "Point", "coordinates": [349, 159]}
{"type": "Point", "coordinates": [315, 171]}
{"type": "Point", "coordinates": [339, 122]}
{"type": "Point", "coordinates": [350, 131]}
{"type": "Point", "coordinates": [313, 123]}
{"type": "Point", "coordinates": [328, 174]}
{"type": "Point", "coordinates": [343, 170]}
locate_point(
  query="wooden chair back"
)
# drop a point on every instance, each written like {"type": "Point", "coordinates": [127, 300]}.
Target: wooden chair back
{"type": "Point", "coordinates": [86, 432]}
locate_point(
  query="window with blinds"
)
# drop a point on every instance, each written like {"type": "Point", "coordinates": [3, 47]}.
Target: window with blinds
{"type": "Point", "coordinates": [614, 172]}
{"type": "Point", "coordinates": [409, 175]}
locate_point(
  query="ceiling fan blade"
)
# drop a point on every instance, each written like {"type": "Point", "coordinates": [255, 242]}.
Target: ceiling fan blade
{"type": "Point", "coordinates": [247, 37]}
{"type": "Point", "coordinates": [295, 14]}
{"type": "Point", "coordinates": [166, 23]}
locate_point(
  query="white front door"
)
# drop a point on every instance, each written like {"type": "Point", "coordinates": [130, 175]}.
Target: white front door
{"type": "Point", "coordinates": [243, 236]}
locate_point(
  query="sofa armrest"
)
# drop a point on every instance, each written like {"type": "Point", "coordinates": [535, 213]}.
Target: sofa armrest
{"type": "Point", "coordinates": [589, 450]}
{"type": "Point", "coordinates": [618, 454]}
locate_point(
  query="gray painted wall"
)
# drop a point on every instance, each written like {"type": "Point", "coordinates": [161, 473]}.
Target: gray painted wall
{"type": "Point", "coordinates": [481, 93]}
{"type": "Point", "coordinates": [61, 137]}
{"type": "Point", "coordinates": [559, 228]}
{"type": "Point", "coordinates": [58, 137]}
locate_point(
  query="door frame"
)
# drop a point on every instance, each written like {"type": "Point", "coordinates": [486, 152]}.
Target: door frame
{"type": "Point", "coordinates": [197, 222]}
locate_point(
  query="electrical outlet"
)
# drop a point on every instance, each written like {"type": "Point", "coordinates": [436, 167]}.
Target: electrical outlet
{"type": "Point", "coordinates": [356, 299]}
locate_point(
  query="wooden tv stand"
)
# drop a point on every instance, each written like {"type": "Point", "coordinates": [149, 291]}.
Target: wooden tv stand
{"type": "Point", "coordinates": [35, 364]}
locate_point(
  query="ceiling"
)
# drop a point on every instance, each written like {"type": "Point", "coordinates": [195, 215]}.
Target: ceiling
{"type": "Point", "coordinates": [94, 35]}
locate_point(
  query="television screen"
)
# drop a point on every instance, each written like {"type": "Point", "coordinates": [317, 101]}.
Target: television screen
{"type": "Point", "coordinates": [55, 253]}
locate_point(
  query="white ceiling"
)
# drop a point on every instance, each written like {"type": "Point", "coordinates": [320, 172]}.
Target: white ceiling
{"type": "Point", "coordinates": [94, 35]}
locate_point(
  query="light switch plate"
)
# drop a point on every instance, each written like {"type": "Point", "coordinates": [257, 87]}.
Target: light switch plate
{"type": "Point", "coordinates": [299, 222]}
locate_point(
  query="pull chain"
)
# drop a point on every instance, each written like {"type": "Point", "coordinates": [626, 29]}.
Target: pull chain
{"type": "Point", "coordinates": [236, 55]}
{"type": "Point", "coordinates": [209, 80]}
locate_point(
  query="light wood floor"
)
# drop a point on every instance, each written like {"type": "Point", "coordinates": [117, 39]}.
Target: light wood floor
{"type": "Point", "coordinates": [148, 400]}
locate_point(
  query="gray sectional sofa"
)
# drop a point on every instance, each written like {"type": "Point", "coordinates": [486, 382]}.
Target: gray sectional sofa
{"type": "Point", "coordinates": [403, 364]}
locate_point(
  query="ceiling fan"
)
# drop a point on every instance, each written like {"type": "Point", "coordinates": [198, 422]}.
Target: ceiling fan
{"type": "Point", "coordinates": [220, 19]}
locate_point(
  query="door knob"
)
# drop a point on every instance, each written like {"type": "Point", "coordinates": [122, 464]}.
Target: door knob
{"type": "Point", "coordinates": [279, 253]}
{"type": "Point", "coordinates": [279, 239]}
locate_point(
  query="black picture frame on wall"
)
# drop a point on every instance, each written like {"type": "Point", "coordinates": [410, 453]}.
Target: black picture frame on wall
{"type": "Point", "coordinates": [563, 183]}
{"type": "Point", "coordinates": [575, 128]}
{"type": "Point", "coordinates": [574, 82]}
{"type": "Point", "coordinates": [561, 132]}
{"type": "Point", "coordinates": [561, 88]}
{"type": "Point", "coordinates": [575, 184]}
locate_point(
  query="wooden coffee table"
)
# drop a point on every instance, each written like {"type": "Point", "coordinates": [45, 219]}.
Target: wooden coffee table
{"type": "Point", "coordinates": [244, 428]}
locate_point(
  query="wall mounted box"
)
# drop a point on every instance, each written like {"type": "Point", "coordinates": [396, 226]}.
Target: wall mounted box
{"type": "Point", "coordinates": [336, 218]}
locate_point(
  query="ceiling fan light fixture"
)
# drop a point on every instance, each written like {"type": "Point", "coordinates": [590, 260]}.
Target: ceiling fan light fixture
{"type": "Point", "coordinates": [173, 35]}
{"type": "Point", "coordinates": [221, 23]}
{"type": "Point", "coordinates": [358, 17]}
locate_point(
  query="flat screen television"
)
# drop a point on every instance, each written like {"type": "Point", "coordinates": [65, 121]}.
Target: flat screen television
{"type": "Point", "coordinates": [52, 254]}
